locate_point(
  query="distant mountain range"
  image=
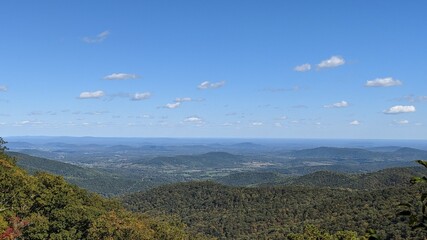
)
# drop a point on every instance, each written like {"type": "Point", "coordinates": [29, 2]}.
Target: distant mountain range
{"type": "Point", "coordinates": [360, 154]}
{"type": "Point", "coordinates": [119, 180]}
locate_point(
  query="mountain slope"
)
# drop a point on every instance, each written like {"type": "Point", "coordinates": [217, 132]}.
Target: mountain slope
{"type": "Point", "coordinates": [272, 212]}
{"type": "Point", "coordinates": [94, 180]}
{"type": "Point", "coordinates": [34, 164]}
{"type": "Point", "coordinates": [44, 206]}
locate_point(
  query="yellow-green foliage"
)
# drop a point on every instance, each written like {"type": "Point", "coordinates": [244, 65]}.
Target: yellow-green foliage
{"type": "Point", "coordinates": [45, 206]}
{"type": "Point", "coordinates": [3, 224]}
{"type": "Point", "coordinates": [313, 233]}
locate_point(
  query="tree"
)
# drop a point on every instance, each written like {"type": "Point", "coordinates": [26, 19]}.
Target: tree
{"type": "Point", "coordinates": [2, 145]}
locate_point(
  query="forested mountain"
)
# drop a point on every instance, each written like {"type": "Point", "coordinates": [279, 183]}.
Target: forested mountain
{"type": "Point", "coordinates": [44, 206]}
{"type": "Point", "coordinates": [95, 180]}
{"type": "Point", "coordinates": [333, 152]}
{"type": "Point", "coordinates": [251, 178]}
{"type": "Point", "coordinates": [36, 164]}
{"type": "Point", "coordinates": [390, 177]}
{"type": "Point", "coordinates": [274, 212]}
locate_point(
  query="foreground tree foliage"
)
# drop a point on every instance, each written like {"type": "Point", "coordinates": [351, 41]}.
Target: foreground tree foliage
{"type": "Point", "coordinates": [44, 206]}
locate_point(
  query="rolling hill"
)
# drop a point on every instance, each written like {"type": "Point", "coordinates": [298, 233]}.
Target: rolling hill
{"type": "Point", "coordinates": [207, 160]}
{"type": "Point", "coordinates": [95, 180]}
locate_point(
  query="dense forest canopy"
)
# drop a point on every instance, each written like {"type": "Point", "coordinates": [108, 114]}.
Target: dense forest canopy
{"type": "Point", "coordinates": [275, 212]}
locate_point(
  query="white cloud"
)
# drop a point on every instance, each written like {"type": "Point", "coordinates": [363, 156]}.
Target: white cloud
{"type": "Point", "coordinates": [172, 105]}
{"type": "Point", "coordinates": [257, 123]}
{"type": "Point", "coordinates": [3, 88]}
{"type": "Point", "coordinates": [355, 123]}
{"type": "Point", "coordinates": [412, 98]}
{"type": "Point", "coordinates": [402, 122]}
{"type": "Point", "coordinates": [341, 104]}
{"type": "Point", "coordinates": [400, 109]}
{"type": "Point", "coordinates": [98, 38]}
{"type": "Point", "coordinates": [303, 68]}
{"type": "Point", "coordinates": [208, 85]}
{"type": "Point", "coordinates": [120, 76]}
{"type": "Point", "coordinates": [184, 99]}
{"type": "Point", "coordinates": [204, 85]}
{"type": "Point", "coordinates": [217, 84]}
{"type": "Point", "coordinates": [383, 82]}
{"type": "Point", "coordinates": [284, 117]}
{"type": "Point", "coordinates": [193, 119]}
{"type": "Point", "coordinates": [141, 96]}
{"type": "Point", "coordinates": [95, 112]}
{"type": "Point", "coordinates": [334, 61]}
{"type": "Point", "coordinates": [278, 124]}
{"type": "Point", "coordinates": [28, 122]}
{"type": "Point", "coordinates": [87, 95]}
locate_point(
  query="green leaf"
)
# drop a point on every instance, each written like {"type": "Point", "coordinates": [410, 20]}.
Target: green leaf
{"type": "Point", "coordinates": [415, 180]}
{"type": "Point", "coordinates": [405, 205]}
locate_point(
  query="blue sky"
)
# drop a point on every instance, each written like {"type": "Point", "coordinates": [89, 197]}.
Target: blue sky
{"type": "Point", "coordinates": [270, 69]}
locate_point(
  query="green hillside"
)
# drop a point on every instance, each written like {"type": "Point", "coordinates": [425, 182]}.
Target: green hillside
{"type": "Point", "coordinates": [250, 178]}
{"type": "Point", "coordinates": [36, 164]}
{"type": "Point", "coordinates": [95, 180]}
{"type": "Point", "coordinates": [390, 177]}
{"type": "Point", "coordinates": [44, 206]}
{"type": "Point", "coordinates": [273, 212]}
